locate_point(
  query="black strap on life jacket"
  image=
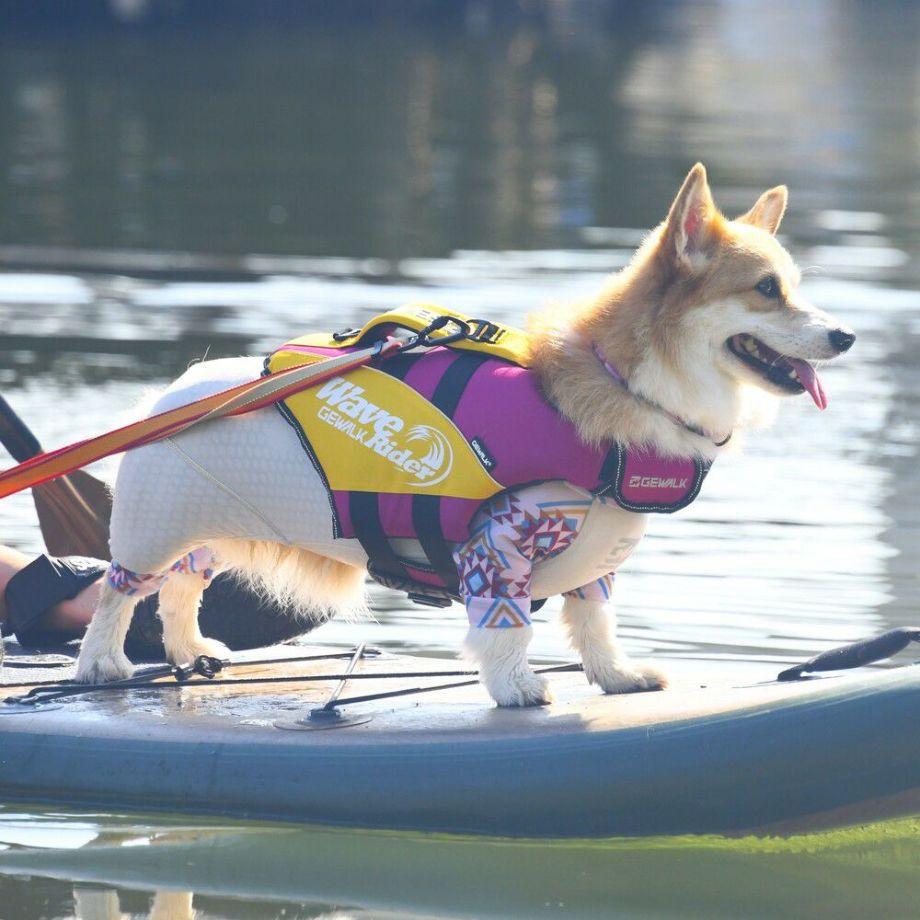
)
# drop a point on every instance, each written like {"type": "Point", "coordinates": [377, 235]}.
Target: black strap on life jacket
{"type": "Point", "coordinates": [364, 508]}
{"type": "Point", "coordinates": [426, 509]}
{"type": "Point", "coordinates": [608, 471]}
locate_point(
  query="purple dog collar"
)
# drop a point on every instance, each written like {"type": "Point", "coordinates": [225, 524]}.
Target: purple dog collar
{"type": "Point", "coordinates": [623, 382]}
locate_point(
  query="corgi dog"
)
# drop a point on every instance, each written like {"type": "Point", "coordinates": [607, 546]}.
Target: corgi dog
{"type": "Point", "coordinates": [666, 357]}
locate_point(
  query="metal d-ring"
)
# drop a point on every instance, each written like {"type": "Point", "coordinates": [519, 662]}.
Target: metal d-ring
{"type": "Point", "coordinates": [463, 332]}
{"type": "Point", "coordinates": [424, 338]}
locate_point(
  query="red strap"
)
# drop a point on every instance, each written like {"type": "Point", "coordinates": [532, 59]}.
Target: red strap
{"type": "Point", "coordinates": [246, 397]}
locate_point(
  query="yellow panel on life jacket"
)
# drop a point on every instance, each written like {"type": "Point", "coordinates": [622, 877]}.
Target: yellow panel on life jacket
{"type": "Point", "coordinates": [371, 432]}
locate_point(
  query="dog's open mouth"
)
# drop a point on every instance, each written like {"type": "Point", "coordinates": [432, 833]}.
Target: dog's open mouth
{"type": "Point", "coordinates": [794, 375]}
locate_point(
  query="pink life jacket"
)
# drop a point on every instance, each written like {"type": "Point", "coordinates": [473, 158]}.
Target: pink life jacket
{"type": "Point", "coordinates": [517, 437]}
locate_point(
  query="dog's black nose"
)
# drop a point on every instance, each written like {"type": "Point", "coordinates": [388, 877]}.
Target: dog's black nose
{"type": "Point", "coordinates": [841, 339]}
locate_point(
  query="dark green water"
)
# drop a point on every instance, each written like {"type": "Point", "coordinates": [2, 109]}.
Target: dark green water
{"type": "Point", "coordinates": [222, 178]}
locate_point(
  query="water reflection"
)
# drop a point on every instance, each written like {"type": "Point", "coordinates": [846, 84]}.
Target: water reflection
{"type": "Point", "coordinates": [159, 871]}
{"type": "Point", "coordinates": [504, 131]}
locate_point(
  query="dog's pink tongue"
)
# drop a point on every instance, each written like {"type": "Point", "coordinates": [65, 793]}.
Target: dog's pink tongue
{"type": "Point", "coordinates": [808, 377]}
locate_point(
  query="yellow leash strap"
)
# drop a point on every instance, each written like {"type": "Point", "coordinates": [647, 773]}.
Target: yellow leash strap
{"type": "Point", "coordinates": [246, 397]}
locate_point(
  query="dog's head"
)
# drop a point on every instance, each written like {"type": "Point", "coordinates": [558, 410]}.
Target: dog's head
{"type": "Point", "coordinates": [730, 294]}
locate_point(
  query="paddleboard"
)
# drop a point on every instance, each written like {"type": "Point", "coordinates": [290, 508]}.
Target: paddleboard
{"type": "Point", "coordinates": [698, 758]}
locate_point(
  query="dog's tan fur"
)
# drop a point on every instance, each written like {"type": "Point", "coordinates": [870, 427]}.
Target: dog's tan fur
{"type": "Point", "coordinates": [645, 308]}
{"type": "Point", "coordinates": [315, 586]}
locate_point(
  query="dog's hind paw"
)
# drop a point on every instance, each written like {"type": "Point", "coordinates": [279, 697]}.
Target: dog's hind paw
{"type": "Point", "coordinates": [523, 688]}
{"type": "Point", "coordinates": [103, 668]}
{"type": "Point", "coordinates": [637, 679]}
{"type": "Point", "coordinates": [187, 652]}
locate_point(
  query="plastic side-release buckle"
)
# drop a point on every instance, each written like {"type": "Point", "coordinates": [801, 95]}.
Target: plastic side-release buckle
{"type": "Point", "coordinates": [429, 600]}
{"type": "Point", "coordinates": [484, 331]}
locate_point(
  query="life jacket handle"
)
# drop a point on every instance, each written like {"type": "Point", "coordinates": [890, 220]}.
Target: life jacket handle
{"type": "Point", "coordinates": [428, 322]}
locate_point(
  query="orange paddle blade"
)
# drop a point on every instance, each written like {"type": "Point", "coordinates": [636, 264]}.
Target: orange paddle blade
{"type": "Point", "coordinates": [73, 511]}
{"type": "Point", "coordinates": [73, 514]}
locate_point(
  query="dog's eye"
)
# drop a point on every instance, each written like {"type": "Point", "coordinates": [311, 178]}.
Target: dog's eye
{"type": "Point", "coordinates": [768, 287]}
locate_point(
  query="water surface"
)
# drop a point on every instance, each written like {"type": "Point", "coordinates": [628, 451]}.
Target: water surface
{"type": "Point", "coordinates": [182, 187]}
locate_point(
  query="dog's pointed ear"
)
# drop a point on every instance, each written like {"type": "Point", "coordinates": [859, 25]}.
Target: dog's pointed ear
{"type": "Point", "coordinates": [768, 210]}
{"type": "Point", "coordinates": [689, 224]}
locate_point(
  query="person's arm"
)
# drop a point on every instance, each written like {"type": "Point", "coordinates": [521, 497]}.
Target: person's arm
{"type": "Point", "coordinates": [11, 562]}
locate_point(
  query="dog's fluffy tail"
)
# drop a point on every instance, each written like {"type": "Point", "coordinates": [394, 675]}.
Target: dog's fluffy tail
{"type": "Point", "coordinates": [313, 586]}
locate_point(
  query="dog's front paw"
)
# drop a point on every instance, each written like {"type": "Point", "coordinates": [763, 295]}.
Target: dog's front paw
{"type": "Point", "coordinates": [100, 669]}
{"type": "Point", "coordinates": [187, 652]}
{"type": "Point", "coordinates": [519, 688]}
{"type": "Point", "coordinates": [634, 679]}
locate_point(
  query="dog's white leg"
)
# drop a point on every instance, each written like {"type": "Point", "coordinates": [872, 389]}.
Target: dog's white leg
{"type": "Point", "coordinates": [180, 597]}
{"type": "Point", "coordinates": [590, 625]}
{"type": "Point", "coordinates": [102, 657]}
{"type": "Point", "coordinates": [501, 655]}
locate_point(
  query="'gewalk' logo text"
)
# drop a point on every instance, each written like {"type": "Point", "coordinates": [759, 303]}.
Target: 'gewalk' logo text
{"type": "Point", "coordinates": [423, 452]}
{"type": "Point", "coordinates": [657, 482]}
